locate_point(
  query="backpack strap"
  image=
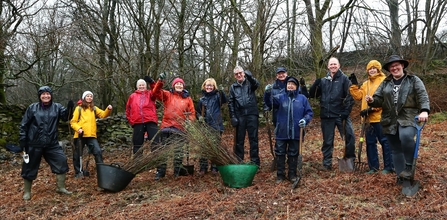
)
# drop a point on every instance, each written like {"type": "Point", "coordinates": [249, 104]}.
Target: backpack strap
{"type": "Point", "coordinates": [79, 111]}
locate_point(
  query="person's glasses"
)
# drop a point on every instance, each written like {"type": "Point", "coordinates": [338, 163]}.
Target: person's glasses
{"type": "Point", "coordinates": [238, 73]}
{"type": "Point", "coordinates": [209, 86]}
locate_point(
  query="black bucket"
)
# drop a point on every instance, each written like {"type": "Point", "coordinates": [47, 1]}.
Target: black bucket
{"type": "Point", "coordinates": [112, 177]}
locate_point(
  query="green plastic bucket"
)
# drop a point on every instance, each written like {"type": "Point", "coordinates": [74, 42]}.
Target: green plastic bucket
{"type": "Point", "coordinates": [238, 175]}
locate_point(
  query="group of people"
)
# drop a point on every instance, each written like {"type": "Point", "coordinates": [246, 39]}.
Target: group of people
{"type": "Point", "coordinates": [389, 106]}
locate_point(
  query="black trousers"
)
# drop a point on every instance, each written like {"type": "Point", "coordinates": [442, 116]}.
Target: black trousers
{"type": "Point", "coordinates": [248, 124]}
{"type": "Point", "coordinates": [138, 134]}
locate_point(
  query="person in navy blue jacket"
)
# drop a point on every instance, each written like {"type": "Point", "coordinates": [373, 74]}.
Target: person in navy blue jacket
{"type": "Point", "coordinates": [293, 113]}
{"type": "Point", "coordinates": [209, 111]}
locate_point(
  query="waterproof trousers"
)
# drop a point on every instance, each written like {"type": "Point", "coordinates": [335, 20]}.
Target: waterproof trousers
{"type": "Point", "coordinates": [52, 153]}
{"type": "Point", "coordinates": [402, 146]}
{"type": "Point", "coordinates": [248, 124]}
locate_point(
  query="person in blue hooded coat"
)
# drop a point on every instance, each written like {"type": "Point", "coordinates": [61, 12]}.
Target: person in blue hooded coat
{"type": "Point", "coordinates": [293, 113]}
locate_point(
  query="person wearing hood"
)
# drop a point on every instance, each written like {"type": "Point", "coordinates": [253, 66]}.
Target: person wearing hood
{"type": "Point", "coordinates": [141, 111]}
{"type": "Point", "coordinates": [402, 97]}
{"type": "Point", "coordinates": [83, 123]}
{"type": "Point", "coordinates": [209, 111]}
{"type": "Point", "coordinates": [38, 138]}
{"type": "Point", "coordinates": [178, 109]}
{"type": "Point", "coordinates": [371, 116]}
{"type": "Point", "coordinates": [293, 113]}
{"type": "Point", "coordinates": [335, 107]}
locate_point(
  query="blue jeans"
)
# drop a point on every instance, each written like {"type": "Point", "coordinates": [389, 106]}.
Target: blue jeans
{"type": "Point", "coordinates": [373, 134]}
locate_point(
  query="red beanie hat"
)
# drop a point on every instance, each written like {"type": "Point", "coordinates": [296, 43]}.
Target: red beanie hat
{"type": "Point", "coordinates": [176, 80]}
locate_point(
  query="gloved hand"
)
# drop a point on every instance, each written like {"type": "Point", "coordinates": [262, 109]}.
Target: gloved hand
{"type": "Point", "coordinates": [302, 82]}
{"type": "Point", "coordinates": [366, 112]}
{"type": "Point", "coordinates": [248, 73]}
{"type": "Point", "coordinates": [70, 105]}
{"type": "Point", "coordinates": [148, 79]}
{"type": "Point", "coordinates": [22, 145]}
{"type": "Point", "coordinates": [344, 115]}
{"type": "Point", "coordinates": [353, 79]}
{"type": "Point", "coordinates": [162, 76]}
{"type": "Point", "coordinates": [268, 87]}
{"type": "Point", "coordinates": [201, 119]}
{"type": "Point", "coordinates": [234, 122]}
{"type": "Point", "coordinates": [302, 123]}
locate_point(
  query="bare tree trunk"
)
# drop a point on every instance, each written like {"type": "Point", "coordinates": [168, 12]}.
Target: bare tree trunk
{"type": "Point", "coordinates": [396, 37]}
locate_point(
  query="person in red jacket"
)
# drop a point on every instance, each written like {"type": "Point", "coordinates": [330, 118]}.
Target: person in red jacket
{"type": "Point", "coordinates": [178, 108]}
{"type": "Point", "coordinates": [141, 111]}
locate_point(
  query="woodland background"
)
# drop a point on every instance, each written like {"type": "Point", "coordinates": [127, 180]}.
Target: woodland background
{"type": "Point", "coordinates": [106, 45]}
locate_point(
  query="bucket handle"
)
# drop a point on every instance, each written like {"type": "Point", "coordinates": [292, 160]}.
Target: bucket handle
{"type": "Point", "coordinates": [115, 165]}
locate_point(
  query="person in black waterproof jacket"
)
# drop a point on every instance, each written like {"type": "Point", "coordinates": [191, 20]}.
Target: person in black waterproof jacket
{"type": "Point", "coordinates": [39, 138]}
{"type": "Point", "coordinates": [244, 113]}
{"type": "Point", "coordinates": [209, 111]}
{"type": "Point", "coordinates": [335, 106]}
{"type": "Point", "coordinates": [402, 96]}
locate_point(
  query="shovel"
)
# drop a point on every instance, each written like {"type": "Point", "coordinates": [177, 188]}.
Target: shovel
{"type": "Point", "coordinates": [345, 164]}
{"type": "Point", "coordinates": [269, 132]}
{"type": "Point", "coordinates": [410, 187]}
{"type": "Point", "coordinates": [300, 160]}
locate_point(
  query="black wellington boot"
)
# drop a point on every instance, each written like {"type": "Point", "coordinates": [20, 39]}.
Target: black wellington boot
{"type": "Point", "coordinates": [280, 168]}
{"type": "Point", "coordinates": [293, 163]}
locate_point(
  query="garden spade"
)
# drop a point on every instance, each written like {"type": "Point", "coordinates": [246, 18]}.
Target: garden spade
{"type": "Point", "coordinates": [410, 187]}
{"type": "Point", "coordinates": [345, 164]}
{"type": "Point", "coordinates": [300, 160]}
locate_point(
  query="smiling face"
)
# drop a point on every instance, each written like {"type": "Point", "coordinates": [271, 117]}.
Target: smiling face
{"type": "Point", "coordinates": [209, 87]}
{"type": "Point", "coordinates": [45, 98]}
{"type": "Point", "coordinates": [281, 75]}
{"type": "Point", "coordinates": [178, 87]}
{"type": "Point", "coordinates": [239, 75]}
{"type": "Point", "coordinates": [333, 65]}
{"type": "Point", "coordinates": [88, 98]}
{"type": "Point", "coordinates": [396, 69]}
{"type": "Point", "coordinates": [372, 71]}
{"type": "Point", "coordinates": [291, 86]}
{"type": "Point", "coordinates": [142, 86]}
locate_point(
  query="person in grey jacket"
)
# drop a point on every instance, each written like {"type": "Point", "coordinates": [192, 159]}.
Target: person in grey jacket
{"type": "Point", "coordinates": [335, 106]}
{"type": "Point", "coordinates": [244, 113]}
{"type": "Point", "coordinates": [402, 97]}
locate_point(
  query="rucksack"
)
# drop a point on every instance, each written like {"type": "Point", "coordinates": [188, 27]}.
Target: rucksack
{"type": "Point", "coordinates": [80, 108]}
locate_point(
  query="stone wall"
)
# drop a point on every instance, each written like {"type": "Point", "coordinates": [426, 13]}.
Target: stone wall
{"type": "Point", "coordinates": [113, 131]}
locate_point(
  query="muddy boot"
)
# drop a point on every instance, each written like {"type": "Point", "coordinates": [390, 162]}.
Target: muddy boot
{"type": "Point", "coordinates": [60, 182]}
{"type": "Point", "coordinates": [27, 189]}
{"type": "Point", "coordinates": [281, 166]}
{"type": "Point", "coordinates": [406, 174]}
{"type": "Point", "coordinates": [293, 163]}
{"type": "Point", "coordinates": [161, 172]}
